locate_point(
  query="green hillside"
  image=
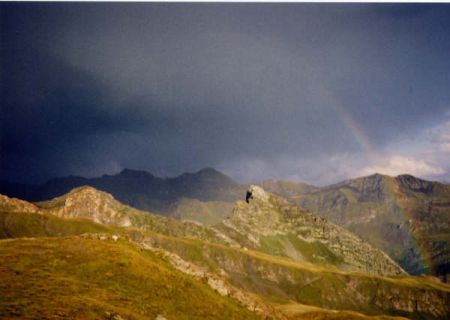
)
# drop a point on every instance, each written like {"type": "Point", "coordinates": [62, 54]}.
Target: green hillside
{"type": "Point", "coordinates": [152, 266]}
{"type": "Point", "coordinates": [281, 280]}
{"type": "Point", "coordinates": [406, 217]}
{"type": "Point", "coordinates": [89, 203]}
{"type": "Point", "coordinates": [206, 212]}
{"type": "Point", "coordinates": [79, 278]}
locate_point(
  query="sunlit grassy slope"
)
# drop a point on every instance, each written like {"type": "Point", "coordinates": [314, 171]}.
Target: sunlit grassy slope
{"type": "Point", "coordinates": [206, 212]}
{"type": "Point", "coordinates": [79, 278]}
{"type": "Point", "coordinates": [296, 311]}
{"type": "Point", "coordinates": [280, 280]}
{"type": "Point", "coordinates": [24, 224]}
{"type": "Point", "coordinates": [93, 277]}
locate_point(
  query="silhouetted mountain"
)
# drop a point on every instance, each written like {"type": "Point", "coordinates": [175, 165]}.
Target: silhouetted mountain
{"type": "Point", "coordinates": [139, 189]}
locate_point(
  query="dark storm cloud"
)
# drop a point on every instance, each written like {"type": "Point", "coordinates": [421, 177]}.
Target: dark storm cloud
{"type": "Point", "coordinates": [92, 88]}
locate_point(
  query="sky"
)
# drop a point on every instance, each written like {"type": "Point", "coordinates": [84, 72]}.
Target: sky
{"type": "Point", "coordinates": [313, 93]}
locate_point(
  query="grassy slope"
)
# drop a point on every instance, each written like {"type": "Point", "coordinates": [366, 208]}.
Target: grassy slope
{"type": "Point", "coordinates": [281, 280]}
{"type": "Point", "coordinates": [292, 246]}
{"type": "Point", "coordinates": [80, 278]}
{"type": "Point", "coordinates": [22, 224]}
{"type": "Point", "coordinates": [286, 189]}
{"type": "Point", "coordinates": [297, 311]}
{"type": "Point", "coordinates": [277, 279]}
{"type": "Point", "coordinates": [206, 212]}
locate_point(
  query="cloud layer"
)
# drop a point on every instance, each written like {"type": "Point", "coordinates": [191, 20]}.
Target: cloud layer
{"type": "Point", "coordinates": [299, 91]}
{"type": "Point", "coordinates": [397, 164]}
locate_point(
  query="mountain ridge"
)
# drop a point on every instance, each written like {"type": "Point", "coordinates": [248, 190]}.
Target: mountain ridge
{"type": "Point", "coordinates": [138, 188]}
{"type": "Point", "coordinates": [405, 216]}
{"type": "Point", "coordinates": [89, 203]}
{"type": "Point", "coordinates": [388, 212]}
{"type": "Point", "coordinates": [268, 222]}
{"type": "Point", "coordinates": [198, 251]}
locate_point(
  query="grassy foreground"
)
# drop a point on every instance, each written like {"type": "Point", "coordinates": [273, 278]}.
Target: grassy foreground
{"type": "Point", "coordinates": [69, 272]}
{"type": "Point", "coordinates": [79, 278]}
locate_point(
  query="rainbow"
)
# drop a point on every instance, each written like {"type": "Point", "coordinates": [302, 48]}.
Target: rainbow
{"type": "Point", "coordinates": [359, 135]}
{"type": "Point", "coordinates": [375, 158]}
{"type": "Point", "coordinates": [347, 120]}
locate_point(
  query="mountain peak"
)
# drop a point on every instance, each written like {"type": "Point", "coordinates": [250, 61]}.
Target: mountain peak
{"type": "Point", "coordinates": [211, 173]}
{"type": "Point", "coordinates": [134, 173]}
{"type": "Point", "coordinates": [88, 203]}
{"type": "Point", "coordinates": [209, 170]}
{"type": "Point", "coordinates": [207, 175]}
{"type": "Point", "coordinates": [87, 191]}
{"type": "Point", "coordinates": [376, 176]}
{"type": "Point", "coordinates": [367, 189]}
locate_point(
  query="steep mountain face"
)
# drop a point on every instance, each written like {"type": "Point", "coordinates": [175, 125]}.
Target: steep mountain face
{"type": "Point", "coordinates": [406, 217]}
{"type": "Point", "coordinates": [275, 226]}
{"type": "Point", "coordinates": [133, 264]}
{"type": "Point", "coordinates": [139, 189]}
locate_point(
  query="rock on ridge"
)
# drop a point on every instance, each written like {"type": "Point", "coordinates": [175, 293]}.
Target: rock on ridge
{"type": "Point", "coordinates": [258, 193]}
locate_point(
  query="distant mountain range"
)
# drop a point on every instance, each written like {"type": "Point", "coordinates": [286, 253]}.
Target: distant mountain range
{"type": "Point", "coordinates": [139, 189]}
{"type": "Point", "coordinates": [406, 217]}
{"type": "Point", "coordinates": [269, 260]}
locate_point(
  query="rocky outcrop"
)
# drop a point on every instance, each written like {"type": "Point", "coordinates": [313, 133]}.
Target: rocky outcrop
{"type": "Point", "coordinates": [258, 193]}
{"type": "Point", "coordinates": [272, 224]}
{"type": "Point", "coordinates": [411, 183]}
{"type": "Point", "coordinates": [16, 205]}
{"type": "Point", "coordinates": [89, 203]}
